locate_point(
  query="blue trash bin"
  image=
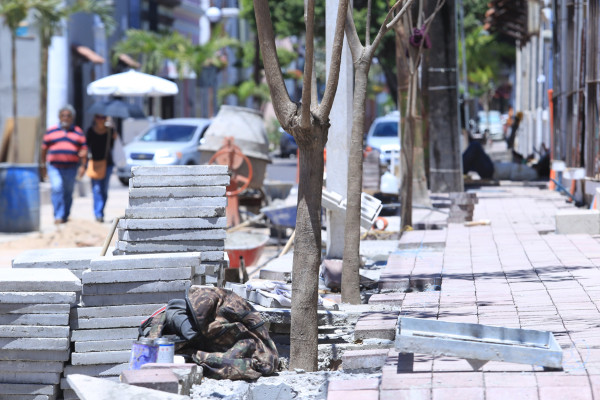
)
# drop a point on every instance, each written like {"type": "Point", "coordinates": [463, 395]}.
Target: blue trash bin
{"type": "Point", "coordinates": [19, 197]}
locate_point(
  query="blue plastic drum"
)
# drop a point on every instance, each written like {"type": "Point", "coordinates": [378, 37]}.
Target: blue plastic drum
{"type": "Point", "coordinates": [19, 198]}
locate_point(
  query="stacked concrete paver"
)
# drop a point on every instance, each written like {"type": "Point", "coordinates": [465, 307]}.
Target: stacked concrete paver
{"type": "Point", "coordinates": [177, 209]}
{"type": "Point", "coordinates": [118, 294]}
{"type": "Point", "coordinates": [34, 330]}
{"type": "Point", "coordinates": [513, 273]}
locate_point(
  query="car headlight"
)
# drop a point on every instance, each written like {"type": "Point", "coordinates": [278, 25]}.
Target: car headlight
{"type": "Point", "coordinates": [166, 157]}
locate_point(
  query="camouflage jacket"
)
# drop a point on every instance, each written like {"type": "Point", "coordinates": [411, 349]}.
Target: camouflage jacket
{"type": "Point", "coordinates": [231, 340]}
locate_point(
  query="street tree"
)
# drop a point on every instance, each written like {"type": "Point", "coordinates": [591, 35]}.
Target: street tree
{"type": "Point", "coordinates": [362, 57]}
{"type": "Point", "coordinates": [14, 12]}
{"type": "Point", "coordinates": [308, 123]}
{"type": "Point", "coordinates": [50, 16]}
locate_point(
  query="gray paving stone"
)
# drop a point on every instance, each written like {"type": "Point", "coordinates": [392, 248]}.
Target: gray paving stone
{"type": "Point", "coordinates": [96, 370]}
{"type": "Point", "coordinates": [17, 331]}
{"type": "Point", "coordinates": [116, 276]}
{"type": "Point", "coordinates": [38, 297]}
{"type": "Point", "coordinates": [172, 246]}
{"type": "Point", "coordinates": [173, 223]}
{"type": "Point", "coordinates": [146, 261]}
{"type": "Point", "coordinates": [166, 180]}
{"type": "Point", "coordinates": [34, 308]}
{"type": "Point", "coordinates": [135, 298]}
{"type": "Point", "coordinates": [31, 389]}
{"type": "Point", "coordinates": [136, 287]}
{"type": "Point", "coordinates": [35, 319]}
{"type": "Point", "coordinates": [179, 170]}
{"type": "Point", "coordinates": [38, 280]}
{"type": "Point", "coordinates": [578, 221]}
{"type": "Point", "coordinates": [64, 384]}
{"type": "Point", "coordinates": [72, 258]}
{"type": "Point", "coordinates": [103, 345]}
{"type": "Point", "coordinates": [34, 343]}
{"type": "Point", "coordinates": [176, 192]}
{"type": "Point", "coordinates": [35, 355]}
{"type": "Point", "coordinates": [83, 335]}
{"type": "Point", "coordinates": [179, 202]}
{"type": "Point", "coordinates": [28, 397]}
{"type": "Point", "coordinates": [174, 212]}
{"type": "Point", "coordinates": [104, 357]}
{"type": "Point", "coordinates": [106, 323]}
{"type": "Point", "coordinates": [44, 378]}
{"type": "Point", "coordinates": [171, 234]}
{"type": "Point", "coordinates": [31, 366]}
{"type": "Point", "coordinates": [132, 248]}
{"type": "Point", "coordinates": [280, 269]}
{"type": "Point", "coordinates": [89, 388]}
{"type": "Point", "coordinates": [115, 311]}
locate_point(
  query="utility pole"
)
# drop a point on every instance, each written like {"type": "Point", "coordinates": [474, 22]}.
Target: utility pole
{"type": "Point", "coordinates": [445, 158]}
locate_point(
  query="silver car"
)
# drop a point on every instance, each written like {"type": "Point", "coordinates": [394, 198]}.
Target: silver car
{"type": "Point", "coordinates": [168, 142]}
{"type": "Point", "coordinates": [490, 123]}
{"type": "Point", "coordinates": [383, 136]}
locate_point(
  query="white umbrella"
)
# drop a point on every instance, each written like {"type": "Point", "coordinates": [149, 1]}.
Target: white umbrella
{"type": "Point", "coordinates": [132, 83]}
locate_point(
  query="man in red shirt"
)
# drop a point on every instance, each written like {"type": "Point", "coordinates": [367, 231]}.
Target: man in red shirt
{"type": "Point", "coordinates": [65, 152]}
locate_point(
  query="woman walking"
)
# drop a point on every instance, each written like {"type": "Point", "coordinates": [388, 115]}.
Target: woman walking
{"type": "Point", "coordinates": [100, 140]}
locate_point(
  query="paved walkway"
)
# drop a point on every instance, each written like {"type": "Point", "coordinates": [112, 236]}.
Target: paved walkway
{"type": "Point", "coordinates": [511, 273]}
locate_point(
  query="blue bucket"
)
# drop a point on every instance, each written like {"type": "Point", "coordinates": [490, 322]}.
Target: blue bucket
{"type": "Point", "coordinates": [19, 198]}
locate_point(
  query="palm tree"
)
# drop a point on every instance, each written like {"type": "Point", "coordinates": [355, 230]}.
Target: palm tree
{"type": "Point", "coordinates": [49, 15]}
{"type": "Point", "coordinates": [14, 12]}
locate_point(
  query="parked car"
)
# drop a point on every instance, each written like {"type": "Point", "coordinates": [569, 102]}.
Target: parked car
{"type": "Point", "coordinates": [383, 135]}
{"type": "Point", "coordinates": [287, 145]}
{"type": "Point", "coordinates": [168, 142]}
{"type": "Point", "coordinates": [490, 123]}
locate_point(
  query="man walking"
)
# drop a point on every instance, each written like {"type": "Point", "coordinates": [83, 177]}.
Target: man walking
{"type": "Point", "coordinates": [65, 152]}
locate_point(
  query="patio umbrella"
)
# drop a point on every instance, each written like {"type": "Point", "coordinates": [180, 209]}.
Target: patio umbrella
{"type": "Point", "coordinates": [116, 109]}
{"type": "Point", "coordinates": [132, 83]}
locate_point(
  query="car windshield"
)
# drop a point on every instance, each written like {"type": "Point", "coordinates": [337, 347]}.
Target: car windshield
{"type": "Point", "coordinates": [492, 118]}
{"type": "Point", "coordinates": [169, 133]}
{"type": "Point", "coordinates": [386, 129]}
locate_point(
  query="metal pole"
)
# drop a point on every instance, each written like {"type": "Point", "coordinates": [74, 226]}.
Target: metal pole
{"type": "Point", "coordinates": [464, 64]}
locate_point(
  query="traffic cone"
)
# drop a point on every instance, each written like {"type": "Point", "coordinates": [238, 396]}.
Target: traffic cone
{"type": "Point", "coordinates": [551, 184]}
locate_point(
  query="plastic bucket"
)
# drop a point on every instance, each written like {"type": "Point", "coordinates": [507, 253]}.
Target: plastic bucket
{"type": "Point", "coordinates": [19, 198]}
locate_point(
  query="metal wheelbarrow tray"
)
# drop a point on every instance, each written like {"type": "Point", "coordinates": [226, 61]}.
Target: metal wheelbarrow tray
{"type": "Point", "coordinates": [478, 342]}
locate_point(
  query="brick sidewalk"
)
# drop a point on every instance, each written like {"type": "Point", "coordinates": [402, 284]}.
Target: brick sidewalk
{"type": "Point", "coordinates": [512, 273]}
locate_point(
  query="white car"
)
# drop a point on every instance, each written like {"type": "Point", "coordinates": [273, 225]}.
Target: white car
{"type": "Point", "coordinates": [383, 135]}
{"type": "Point", "coordinates": [168, 142]}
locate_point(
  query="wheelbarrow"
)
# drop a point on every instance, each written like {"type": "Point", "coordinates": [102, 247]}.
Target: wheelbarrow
{"type": "Point", "coordinates": [244, 245]}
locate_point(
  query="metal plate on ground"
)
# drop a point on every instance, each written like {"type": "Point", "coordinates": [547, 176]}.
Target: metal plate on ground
{"type": "Point", "coordinates": [478, 342]}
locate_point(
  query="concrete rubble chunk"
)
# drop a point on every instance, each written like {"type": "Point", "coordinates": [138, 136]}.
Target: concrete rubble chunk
{"type": "Point", "coordinates": [364, 359]}
{"type": "Point", "coordinates": [180, 170]}
{"type": "Point", "coordinates": [89, 388]}
{"type": "Point", "coordinates": [578, 221]}
{"type": "Point", "coordinates": [159, 379]}
{"type": "Point", "coordinates": [38, 280]}
{"type": "Point", "coordinates": [188, 374]}
{"type": "Point", "coordinates": [146, 261]}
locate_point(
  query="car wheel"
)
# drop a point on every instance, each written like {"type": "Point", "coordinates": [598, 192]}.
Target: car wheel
{"type": "Point", "coordinates": [124, 181]}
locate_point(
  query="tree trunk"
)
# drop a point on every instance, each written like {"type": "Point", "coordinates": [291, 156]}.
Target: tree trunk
{"type": "Point", "coordinates": [351, 263]}
{"type": "Point", "coordinates": [307, 249]}
{"type": "Point", "coordinates": [13, 61]}
{"type": "Point", "coordinates": [407, 155]}
{"type": "Point", "coordinates": [45, 44]}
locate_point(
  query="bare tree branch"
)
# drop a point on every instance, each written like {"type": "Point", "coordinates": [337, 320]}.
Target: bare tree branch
{"type": "Point", "coordinates": [353, 40]}
{"type": "Point", "coordinates": [283, 105]}
{"type": "Point", "coordinates": [336, 57]}
{"type": "Point", "coordinates": [309, 20]}
{"type": "Point", "coordinates": [368, 28]}
{"type": "Point", "coordinates": [399, 15]}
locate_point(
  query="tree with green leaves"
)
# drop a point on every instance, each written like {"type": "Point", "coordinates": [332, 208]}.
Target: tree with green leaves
{"type": "Point", "coordinates": [50, 16]}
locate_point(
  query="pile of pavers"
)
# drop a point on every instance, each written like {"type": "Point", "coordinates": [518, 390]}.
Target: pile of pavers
{"type": "Point", "coordinates": [119, 293]}
{"type": "Point", "coordinates": [462, 205]}
{"type": "Point", "coordinates": [34, 330]}
{"type": "Point", "coordinates": [177, 209]}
